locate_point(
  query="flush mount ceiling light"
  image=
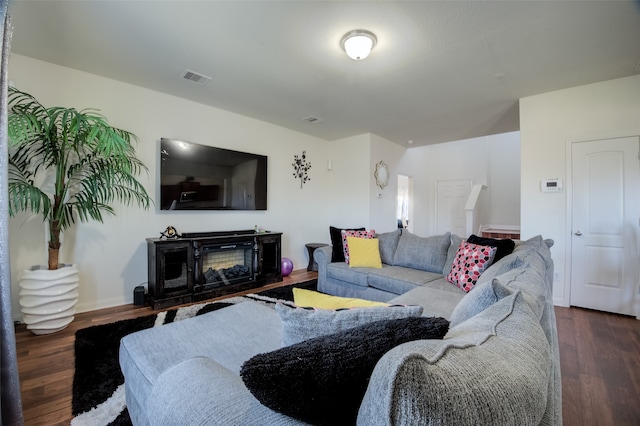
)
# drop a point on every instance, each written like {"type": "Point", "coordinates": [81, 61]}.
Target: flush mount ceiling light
{"type": "Point", "coordinates": [358, 43]}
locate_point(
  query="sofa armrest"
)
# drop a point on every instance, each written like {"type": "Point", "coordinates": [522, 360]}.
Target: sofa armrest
{"type": "Point", "coordinates": [201, 391]}
{"type": "Point", "coordinates": [322, 256]}
{"type": "Point", "coordinates": [491, 370]}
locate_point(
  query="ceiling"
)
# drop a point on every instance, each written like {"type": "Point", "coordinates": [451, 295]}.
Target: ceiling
{"type": "Point", "coordinates": [441, 71]}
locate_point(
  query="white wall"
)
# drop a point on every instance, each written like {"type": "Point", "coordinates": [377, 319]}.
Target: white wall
{"type": "Point", "coordinates": [503, 180]}
{"type": "Point", "coordinates": [112, 256]}
{"type": "Point", "coordinates": [548, 124]}
{"type": "Point", "coordinates": [348, 192]}
{"type": "Point", "coordinates": [489, 160]}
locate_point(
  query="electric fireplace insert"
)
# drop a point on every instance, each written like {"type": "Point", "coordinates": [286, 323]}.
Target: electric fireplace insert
{"type": "Point", "coordinates": [203, 265]}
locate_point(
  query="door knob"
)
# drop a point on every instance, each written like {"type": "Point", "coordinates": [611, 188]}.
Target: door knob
{"type": "Point", "coordinates": [578, 233]}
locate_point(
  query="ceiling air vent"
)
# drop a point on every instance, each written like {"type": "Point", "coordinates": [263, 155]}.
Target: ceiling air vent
{"type": "Point", "coordinates": [311, 119]}
{"type": "Point", "coordinates": [197, 78]}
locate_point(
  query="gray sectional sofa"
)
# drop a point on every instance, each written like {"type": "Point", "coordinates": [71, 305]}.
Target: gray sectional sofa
{"type": "Point", "coordinates": [408, 262]}
{"type": "Point", "coordinates": [498, 364]}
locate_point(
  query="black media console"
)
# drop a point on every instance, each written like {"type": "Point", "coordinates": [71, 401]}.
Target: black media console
{"type": "Point", "coordinates": [203, 265]}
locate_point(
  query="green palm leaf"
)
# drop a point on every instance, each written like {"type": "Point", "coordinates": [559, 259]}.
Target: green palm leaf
{"type": "Point", "coordinates": [94, 165]}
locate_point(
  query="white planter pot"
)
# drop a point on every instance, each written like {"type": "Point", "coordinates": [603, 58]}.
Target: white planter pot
{"type": "Point", "coordinates": [48, 298]}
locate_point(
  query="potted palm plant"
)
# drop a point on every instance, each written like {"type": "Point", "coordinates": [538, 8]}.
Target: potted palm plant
{"type": "Point", "coordinates": [91, 165]}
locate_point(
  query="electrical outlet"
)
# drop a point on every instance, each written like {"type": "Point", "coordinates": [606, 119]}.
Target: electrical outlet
{"type": "Point", "coordinates": [556, 276]}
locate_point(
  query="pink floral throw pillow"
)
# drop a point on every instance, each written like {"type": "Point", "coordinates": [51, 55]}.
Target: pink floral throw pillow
{"type": "Point", "coordinates": [357, 234]}
{"type": "Point", "coordinates": [470, 262]}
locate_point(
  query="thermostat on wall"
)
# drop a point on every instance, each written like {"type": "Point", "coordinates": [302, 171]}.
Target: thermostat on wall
{"type": "Point", "coordinates": [551, 185]}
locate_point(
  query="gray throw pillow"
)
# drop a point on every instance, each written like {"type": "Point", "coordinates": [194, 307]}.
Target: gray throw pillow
{"type": "Point", "coordinates": [388, 243]}
{"type": "Point", "coordinates": [299, 324]}
{"type": "Point", "coordinates": [478, 299]}
{"type": "Point", "coordinates": [531, 243]}
{"type": "Point", "coordinates": [509, 264]}
{"type": "Point", "coordinates": [424, 253]}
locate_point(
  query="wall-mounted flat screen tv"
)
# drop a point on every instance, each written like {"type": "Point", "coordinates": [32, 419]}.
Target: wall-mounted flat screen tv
{"type": "Point", "coordinates": [200, 177]}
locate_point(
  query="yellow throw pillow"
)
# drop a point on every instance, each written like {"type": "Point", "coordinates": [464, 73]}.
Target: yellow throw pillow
{"type": "Point", "coordinates": [364, 253]}
{"type": "Point", "coordinates": [313, 299]}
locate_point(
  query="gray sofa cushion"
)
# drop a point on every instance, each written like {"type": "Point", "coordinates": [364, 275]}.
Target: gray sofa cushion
{"type": "Point", "coordinates": [508, 263]}
{"type": "Point", "coordinates": [144, 355]}
{"type": "Point", "coordinates": [535, 247]}
{"type": "Point", "coordinates": [451, 254]}
{"type": "Point", "coordinates": [388, 245]}
{"type": "Point", "coordinates": [479, 299]}
{"type": "Point", "coordinates": [398, 280]}
{"type": "Point", "coordinates": [424, 253]}
{"type": "Point", "coordinates": [436, 302]}
{"type": "Point", "coordinates": [322, 380]}
{"type": "Point", "coordinates": [299, 324]}
{"type": "Point", "coordinates": [199, 391]}
{"type": "Point", "coordinates": [493, 370]}
{"type": "Point", "coordinates": [523, 270]}
{"type": "Point", "coordinates": [533, 242]}
{"type": "Point", "coordinates": [341, 271]}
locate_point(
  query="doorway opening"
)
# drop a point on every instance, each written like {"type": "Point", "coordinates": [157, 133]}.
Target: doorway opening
{"type": "Point", "coordinates": [404, 211]}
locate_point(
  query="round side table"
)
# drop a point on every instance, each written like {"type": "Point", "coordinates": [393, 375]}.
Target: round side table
{"type": "Point", "coordinates": [311, 247]}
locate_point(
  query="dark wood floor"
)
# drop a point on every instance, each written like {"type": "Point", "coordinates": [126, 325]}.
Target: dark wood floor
{"type": "Point", "coordinates": [600, 361]}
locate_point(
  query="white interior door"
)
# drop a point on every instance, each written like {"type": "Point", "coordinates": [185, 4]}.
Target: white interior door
{"type": "Point", "coordinates": [605, 224]}
{"type": "Point", "coordinates": [452, 196]}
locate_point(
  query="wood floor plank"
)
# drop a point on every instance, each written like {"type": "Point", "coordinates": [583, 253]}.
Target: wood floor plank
{"type": "Point", "coordinates": [600, 364]}
{"type": "Point", "coordinates": [569, 361]}
{"type": "Point", "coordinates": [586, 345]}
{"type": "Point", "coordinates": [593, 391]}
{"type": "Point", "coordinates": [632, 361]}
{"type": "Point", "coordinates": [571, 412]}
